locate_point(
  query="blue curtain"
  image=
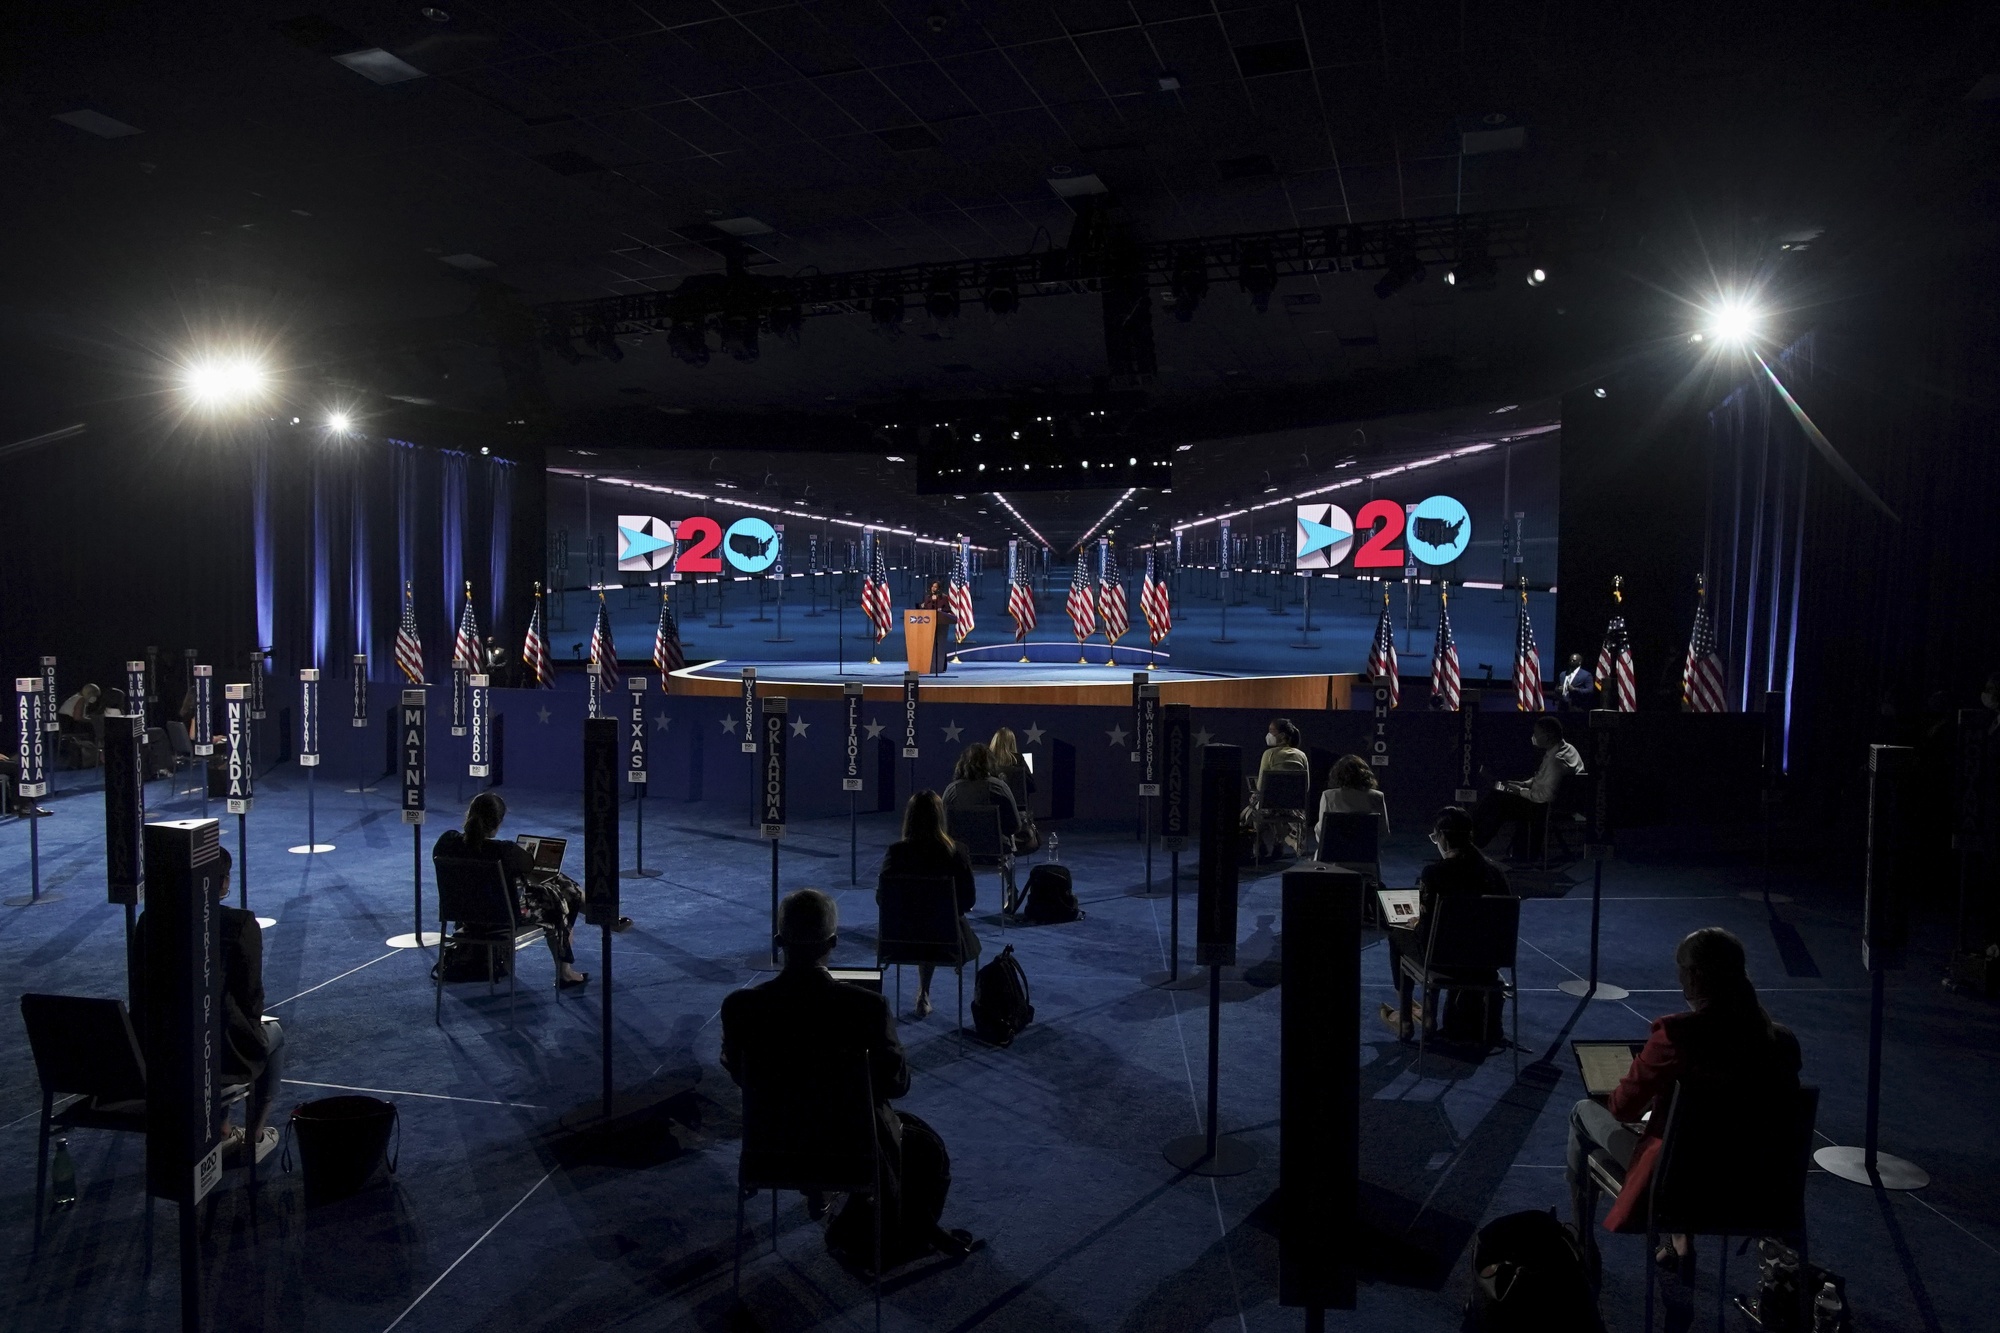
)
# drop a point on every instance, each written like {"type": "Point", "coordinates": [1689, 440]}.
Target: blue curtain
{"type": "Point", "coordinates": [502, 474]}
{"type": "Point", "coordinates": [452, 532]}
{"type": "Point", "coordinates": [357, 562]}
{"type": "Point", "coordinates": [264, 542]}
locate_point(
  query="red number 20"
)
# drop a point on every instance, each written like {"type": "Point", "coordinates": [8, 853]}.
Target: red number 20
{"type": "Point", "coordinates": [700, 537]}
{"type": "Point", "coordinates": [1376, 552]}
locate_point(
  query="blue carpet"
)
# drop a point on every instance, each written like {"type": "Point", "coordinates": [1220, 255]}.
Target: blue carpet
{"type": "Point", "coordinates": [494, 1221]}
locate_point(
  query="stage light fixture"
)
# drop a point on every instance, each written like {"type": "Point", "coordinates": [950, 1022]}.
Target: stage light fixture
{"type": "Point", "coordinates": [1537, 276]}
{"type": "Point", "coordinates": [1257, 272]}
{"type": "Point", "coordinates": [1002, 296]}
{"type": "Point", "coordinates": [1403, 269]}
{"type": "Point", "coordinates": [886, 310]}
{"type": "Point", "coordinates": [1475, 268]}
{"type": "Point", "coordinates": [601, 341]}
{"type": "Point", "coordinates": [225, 381]}
{"type": "Point", "coordinates": [941, 300]}
{"type": "Point", "coordinates": [688, 340]}
{"type": "Point", "coordinates": [339, 423]}
{"type": "Point", "coordinates": [1189, 284]}
{"type": "Point", "coordinates": [1734, 321]}
{"type": "Point", "coordinates": [558, 341]}
{"type": "Point", "coordinates": [739, 335]}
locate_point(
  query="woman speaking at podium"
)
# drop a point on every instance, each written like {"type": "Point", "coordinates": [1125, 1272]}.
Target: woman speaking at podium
{"type": "Point", "coordinates": [936, 601]}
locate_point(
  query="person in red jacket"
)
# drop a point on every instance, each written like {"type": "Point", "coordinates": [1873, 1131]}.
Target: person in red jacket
{"type": "Point", "coordinates": [1725, 1037]}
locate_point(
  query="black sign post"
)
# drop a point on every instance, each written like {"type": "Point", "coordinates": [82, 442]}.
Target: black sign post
{"type": "Point", "coordinates": [1466, 794]}
{"type": "Point", "coordinates": [135, 689]}
{"type": "Point", "coordinates": [479, 725]}
{"type": "Point", "coordinates": [637, 772]}
{"type": "Point", "coordinates": [850, 778]}
{"type": "Point", "coordinates": [748, 745]}
{"type": "Point", "coordinates": [1146, 749]}
{"type": "Point", "coordinates": [309, 759]}
{"type": "Point", "coordinates": [259, 658]}
{"type": "Point", "coordinates": [51, 723]}
{"type": "Point", "coordinates": [359, 721]}
{"type": "Point", "coordinates": [183, 970]}
{"type": "Point", "coordinates": [601, 747]}
{"type": "Point", "coordinates": [124, 811]}
{"type": "Point", "coordinates": [912, 682]}
{"type": "Point", "coordinates": [242, 780]}
{"type": "Point", "coordinates": [412, 727]}
{"type": "Point", "coordinates": [1604, 724]}
{"type": "Point", "coordinates": [1215, 946]}
{"type": "Point", "coordinates": [203, 740]}
{"type": "Point", "coordinates": [771, 795]}
{"type": "Point", "coordinates": [1175, 759]}
{"type": "Point", "coordinates": [31, 705]}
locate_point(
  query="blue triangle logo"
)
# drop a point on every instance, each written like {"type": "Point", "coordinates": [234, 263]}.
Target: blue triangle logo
{"type": "Point", "coordinates": [1319, 536]}
{"type": "Point", "coordinates": [638, 543]}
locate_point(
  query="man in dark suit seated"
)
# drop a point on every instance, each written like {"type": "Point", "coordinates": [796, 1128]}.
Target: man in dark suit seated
{"type": "Point", "coordinates": [804, 1013]}
{"type": "Point", "coordinates": [1463, 870]}
{"type": "Point", "coordinates": [1726, 1036]}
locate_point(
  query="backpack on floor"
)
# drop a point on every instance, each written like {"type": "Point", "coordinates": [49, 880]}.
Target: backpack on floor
{"type": "Point", "coordinates": [1049, 899]}
{"type": "Point", "coordinates": [1528, 1276]}
{"type": "Point", "coordinates": [1000, 1003]}
{"type": "Point", "coordinates": [463, 960]}
{"type": "Point", "coordinates": [915, 1193]}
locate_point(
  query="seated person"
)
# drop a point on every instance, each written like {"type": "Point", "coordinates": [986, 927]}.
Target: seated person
{"type": "Point", "coordinates": [1282, 754]}
{"type": "Point", "coordinates": [1352, 790]}
{"type": "Point", "coordinates": [1462, 871]}
{"type": "Point", "coordinates": [74, 714]}
{"type": "Point", "coordinates": [24, 806]}
{"type": "Point", "coordinates": [926, 849]}
{"type": "Point", "coordinates": [804, 1013]}
{"type": "Point", "coordinates": [1526, 803]}
{"type": "Point", "coordinates": [974, 785]}
{"type": "Point", "coordinates": [547, 898]}
{"type": "Point", "coordinates": [1725, 1036]}
{"type": "Point", "coordinates": [252, 1045]}
{"type": "Point", "coordinates": [1012, 769]}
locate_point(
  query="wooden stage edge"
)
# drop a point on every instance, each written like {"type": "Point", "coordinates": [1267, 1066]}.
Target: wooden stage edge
{"type": "Point", "coordinates": [1281, 694]}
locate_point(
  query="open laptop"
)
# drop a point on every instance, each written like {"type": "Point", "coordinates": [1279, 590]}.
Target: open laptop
{"type": "Point", "coordinates": [1602, 1064]}
{"type": "Point", "coordinates": [868, 978]}
{"type": "Point", "coordinates": [544, 853]}
{"type": "Point", "coordinates": [1400, 907]}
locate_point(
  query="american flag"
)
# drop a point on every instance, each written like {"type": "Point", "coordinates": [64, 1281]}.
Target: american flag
{"type": "Point", "coordinates": [875, 591]}
{"type": "Point", "coordinates": [1111, 598]}
{"type": "Point", "coordinates": [409, 648]}
{"type": "Point", "coordinates": [602, 650]}
{"type": "Point", "coordinates": [667, 653]}
{"type": "Point", "coordinates": [960, 596]}
{"type": "Point", "coordinates": [1527, 663]}
{"type": "Point", "coordinates": [1444, 660]}
{"type": "Point", "coordinates": [1614, 664]}
{"type": "Point", "coordinates": [1382, 653]}
{"type": "Point", "coordinates": [1153, 601]}
{"type": "Point", "coordinates": [535, 648]}
{"type": "Point", "coordinates": [1021, 604]}
{"type": "Point", "coordinates": [1081, 605]}
{"type": "Point", "coordinates": [466, 652]}
{"type": "Point", "coordinates": [1701, 678]}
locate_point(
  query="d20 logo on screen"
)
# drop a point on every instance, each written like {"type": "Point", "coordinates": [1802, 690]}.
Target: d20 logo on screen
{"type": "Point", "coordinates": [645, 543]}
{"type": "Point", "coordinates": [1324, 535]}
{"type": "Point", "coordinates": [1440, 530]}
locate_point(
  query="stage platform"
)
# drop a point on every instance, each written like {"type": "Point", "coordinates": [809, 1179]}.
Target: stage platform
{"type": "Point", "coordinates": [987, 676]}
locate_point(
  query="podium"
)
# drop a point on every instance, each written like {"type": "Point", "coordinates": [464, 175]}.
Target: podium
{"type": "Point", "coordinates": [920, 631]}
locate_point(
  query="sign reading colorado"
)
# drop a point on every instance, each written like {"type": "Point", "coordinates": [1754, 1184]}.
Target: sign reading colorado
{"type": "Point", "coordinates": [1324, 536]}
{"type": "Point", "coordinates": [1440, 530]}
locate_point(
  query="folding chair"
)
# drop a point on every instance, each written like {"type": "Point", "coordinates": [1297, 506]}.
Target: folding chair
{"type": "Point", "coordinates": [474, 892]}
{"type": "Point", "coordinates": [1281, 796]}
{"type": "Point", "coordinates": [977, 827]}
{"type": "Point", "coordinates": [919, 924]}
{"type": "Point", "coordinates": [1469, 939]}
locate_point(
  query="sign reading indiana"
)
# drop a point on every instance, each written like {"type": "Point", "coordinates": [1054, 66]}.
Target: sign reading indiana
{"type": "Point", "coordinates": [1436, 530]}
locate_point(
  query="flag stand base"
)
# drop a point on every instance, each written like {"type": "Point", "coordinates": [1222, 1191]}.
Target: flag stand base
{"type": "Point", "coordinates": [428, 940]}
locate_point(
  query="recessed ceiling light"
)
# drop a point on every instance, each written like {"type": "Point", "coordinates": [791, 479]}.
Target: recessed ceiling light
{"type": "Point", "coordinates": [99, 124]}
{"type": "Point", "coordinates": [378, 66]}
{"type": "Point", "coordinates": [435, 15]}
{"type": "Point", "coordinates": [895, 458]}
{"type": "Point", "coordinates": [744, 226]}
{"type": "Point", "coordinates": [1183, 448]}
{"type": "Point", "coordinates": [468, 262]}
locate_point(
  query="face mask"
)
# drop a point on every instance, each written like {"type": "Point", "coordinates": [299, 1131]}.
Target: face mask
{"type": "Point", "coordinates": [1270, 739]}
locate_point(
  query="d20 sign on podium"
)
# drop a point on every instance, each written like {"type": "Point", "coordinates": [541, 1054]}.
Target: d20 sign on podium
{"type": "Point", "coordinates": [920, 631]}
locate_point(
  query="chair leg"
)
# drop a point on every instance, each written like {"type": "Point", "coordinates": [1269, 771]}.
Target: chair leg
{"type": "Point", "coordinates": [42, 1166]}
{"type": "Point", "coordinates": [960, 972]}
{"type": "Point", "coordinates": [1652, 1244]}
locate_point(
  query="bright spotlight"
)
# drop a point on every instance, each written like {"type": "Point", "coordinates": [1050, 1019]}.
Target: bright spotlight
{"type": "Point", "coordinates": [1733, 322]}
{"type": "Point", "coordinates": [339, 423]}
{"type": "Point", "coordinates": [1537, 276]}
{"type": "Point", "coordinates": [224, 381]}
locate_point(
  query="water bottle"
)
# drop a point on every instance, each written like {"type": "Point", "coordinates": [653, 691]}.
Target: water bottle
{"type": "Point", "coordinates": [1827, 1310]}
{"type": "Point", "coordinates": [65, 1175]}
{"type": "Point", "coordinates": [1055, 850]}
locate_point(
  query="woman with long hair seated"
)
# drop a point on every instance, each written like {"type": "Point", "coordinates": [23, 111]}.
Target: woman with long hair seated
{"type": "Point", "coordinates": [1012, 769]}
{"type": "Point", "coordinates": [974, 784]}
{"type": "Point", "coordinates": [547, 898]}
{"type": "Point", "coordinates": [1351, 789]}
{"type": "Point", "coordinates": [926, 849]}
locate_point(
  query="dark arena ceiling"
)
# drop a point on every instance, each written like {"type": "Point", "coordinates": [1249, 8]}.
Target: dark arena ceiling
{"type": "Point", "coordinates": [528, 217]}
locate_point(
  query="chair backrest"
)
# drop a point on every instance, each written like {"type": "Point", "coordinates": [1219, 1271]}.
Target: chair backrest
{"type": "Point", "coordinates": [473, 891]}
{"type": "Point", "coordinates": [1349, 837]}
{"type": "Point", "coordinates": [1469, 932]}
{"type": "Point", "coordinates": [1017, 782]}
{"type": "Point", "coordinates": [918, 919]}
{"type": "Point", "coordinates": [177, 737]}
{"type": "Point", "coordinates": [1285, 788]}
{"type": "Point", "coordinates": [808, 1120]}
{"type": "Point", "coordinates": [978, 827]}
{"type": "Point", "coordinates": [1733, 1159]}
{"type": "Point", "coordinates": [84, 1046]}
